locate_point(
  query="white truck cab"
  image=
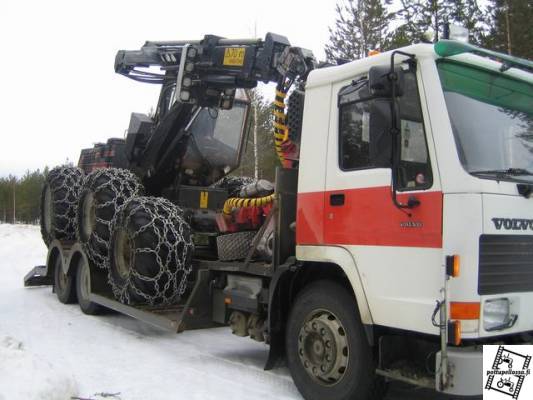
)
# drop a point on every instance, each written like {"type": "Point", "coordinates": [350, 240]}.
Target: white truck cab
{"type": "Point", "coordinates": [459, 193]}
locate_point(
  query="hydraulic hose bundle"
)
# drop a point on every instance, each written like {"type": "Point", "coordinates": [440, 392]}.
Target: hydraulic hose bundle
{"type": "Point", "coordinates": [281, 131]}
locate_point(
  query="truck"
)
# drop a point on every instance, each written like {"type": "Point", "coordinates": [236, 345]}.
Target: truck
{"type": "Point", "coordinates": [396, 240]}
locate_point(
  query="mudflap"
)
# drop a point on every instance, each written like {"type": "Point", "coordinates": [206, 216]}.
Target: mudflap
{"type": "Point", "coordinates": [38, 277]}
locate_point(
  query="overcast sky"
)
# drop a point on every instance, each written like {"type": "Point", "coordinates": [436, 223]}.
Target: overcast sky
{"type": "Point", "coordinates": [58, 89]}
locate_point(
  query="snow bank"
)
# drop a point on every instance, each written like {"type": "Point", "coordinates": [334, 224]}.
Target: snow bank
{"type": "Point", "coordinates": [25, 376]}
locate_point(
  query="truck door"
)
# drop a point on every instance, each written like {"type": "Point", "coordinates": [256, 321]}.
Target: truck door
{"type": "Point", "coordinates": [388, 243]}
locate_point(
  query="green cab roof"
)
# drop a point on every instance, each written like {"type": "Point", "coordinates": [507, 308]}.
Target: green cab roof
{"type": "Point", "coordinates": [448, 48]}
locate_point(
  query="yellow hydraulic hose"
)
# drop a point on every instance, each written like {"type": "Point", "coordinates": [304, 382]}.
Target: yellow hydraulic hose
{"type": "Point", "coordinates": [236, 202]}
{"type": "Point", "coordinates": [281, 130]}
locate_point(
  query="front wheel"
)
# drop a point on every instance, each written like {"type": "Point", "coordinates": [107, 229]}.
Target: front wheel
{"type": "Point", "coordinates": [327, 350]}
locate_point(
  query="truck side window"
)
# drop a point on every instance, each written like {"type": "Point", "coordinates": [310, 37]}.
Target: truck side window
{"type": "Point", "coordinates": [354, 137]}
{"type": "Point", "coordinates": [354, 133]}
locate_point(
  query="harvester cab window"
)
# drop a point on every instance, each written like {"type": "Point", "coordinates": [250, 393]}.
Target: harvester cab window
{"type": "Point", "coordinates": [355, 114]}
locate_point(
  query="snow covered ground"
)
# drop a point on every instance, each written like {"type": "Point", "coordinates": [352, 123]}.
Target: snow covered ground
{"type": "Point", "coordinates": [51, 351]}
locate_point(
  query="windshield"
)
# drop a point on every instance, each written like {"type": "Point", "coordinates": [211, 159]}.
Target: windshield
{"type": "Point", "coordinates": [492, 120]}
{"type": "Point", "coordinates": [217, 135]}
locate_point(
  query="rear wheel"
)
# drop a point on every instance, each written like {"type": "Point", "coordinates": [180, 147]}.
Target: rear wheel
{"type": "Point", "coordinates": [327, 350]}
{"type": "Point", "coordinates": [103, 192]}
{"type": "Point", "coordinates": [83, 289]}
{"type": "Point", "coordinates": [151, 252]}
{"type": "Point", "coordinates": [58, 203]}
{"type": "Point", "coordinates": [63, 284]}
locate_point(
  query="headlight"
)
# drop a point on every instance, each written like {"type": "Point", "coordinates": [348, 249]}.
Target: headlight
{"type": "Point", "coordinates": [497, 315]}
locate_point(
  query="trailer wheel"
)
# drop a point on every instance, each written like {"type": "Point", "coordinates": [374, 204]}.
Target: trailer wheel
{"type": "Point", "coordinates": [83, 289]}
{"type": "Point", "coordinates": [151, 252]}
{"type": "Point", "coordinates": [63, 284]}
{"type": "Point", "coordinates": [58, 203]}
{"type": "Point", "coordinates": [327, 351]}
{"type": "Point", "coordinates": [234, 246]}
{"type": "Point", "coordinates": [103, 192]}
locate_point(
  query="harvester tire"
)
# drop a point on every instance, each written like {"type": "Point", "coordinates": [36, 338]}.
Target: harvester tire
{"type": "Point", "coordinates": [150, 253]}
{"type": "Point", "coordinates": [58, 203]}
{"type": "Point", "coordinates": [234, 246]}
{"type": "Point", "coordinates": [103, 193]}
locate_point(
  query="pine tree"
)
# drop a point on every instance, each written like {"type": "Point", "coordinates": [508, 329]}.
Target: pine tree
{"type": "Point", "coordinates": [510, 32]}
{"type": "Point", "coordinates": [360, 26]}
{"type": "Point", "coordinates": [420, 17]}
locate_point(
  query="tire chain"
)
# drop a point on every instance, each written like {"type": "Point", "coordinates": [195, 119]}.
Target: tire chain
{"type": "Point", "coordinates": [124, 185]}
{"type": "Point", "coordinates": [167, 224]}
{"type": "Point", "coordinates": [69, 179]}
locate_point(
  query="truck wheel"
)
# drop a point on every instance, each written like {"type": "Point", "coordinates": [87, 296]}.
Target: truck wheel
{"type": "Point", "coordinates": [58, 203]}
{"type": "Point", "coordinates": [63, 284]}
{"type": "Point", "coordinates": [327, 351]}
{"type": "Point", "coordinates": [234, 246]}
{"type": "Point", "coordinates": [151, 252]}
{"type": "Point", "coordinates": [83, 289]}
{"type": "Point", "coordinates": [103, 192]}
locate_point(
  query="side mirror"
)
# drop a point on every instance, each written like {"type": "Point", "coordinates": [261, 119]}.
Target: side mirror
{"type": "Point", "coordinates": [380, 125]}
{"type": "Point", "coordinates": [380, 81]}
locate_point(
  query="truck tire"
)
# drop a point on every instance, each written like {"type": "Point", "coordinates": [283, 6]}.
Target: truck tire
{"type": "Point", "coordinates": [327, 350]}
{"type": "Point", "coordinates": [234, 246]}
{"type": "Point", "coordinates": [103, 192]}
{"type": "Point", "coordinates": [151, 252]}
{"type": "Point", "coordinates": [83, 289]}
{"type": "Point", "coordinates": [63, 284]}
{"type": "Point", "coordinates": [58, 203]}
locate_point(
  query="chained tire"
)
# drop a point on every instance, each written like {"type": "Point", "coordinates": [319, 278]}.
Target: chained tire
{"type": "Point", "coordinates": [234, 246]}
{"type": "Point", "coordinates": [326, 346]}
{"type": "Point", "coordinates": [103, 193]}
{"type": "Point", "coordinates": [151, 252]}
{"type": "Point", "coordinates": [58, 205]}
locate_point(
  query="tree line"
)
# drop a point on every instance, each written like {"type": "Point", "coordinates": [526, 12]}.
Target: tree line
{"type": "Point", "coordinates": [365, 25]}
{"type": "Point", "coordinates": [20, 197]}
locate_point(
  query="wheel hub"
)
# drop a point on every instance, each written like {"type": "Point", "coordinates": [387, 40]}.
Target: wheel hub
{"type": "Point", "coordinates": [89, 215]}
{"type": "Point", "coordinates": [85, 286]}
{"type": "Point", "coordinates": [123, 253]}
{"type": "Point", "coordinates": [323, 347]}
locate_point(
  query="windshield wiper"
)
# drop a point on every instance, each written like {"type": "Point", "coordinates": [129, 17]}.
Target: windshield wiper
{"type": "Point", "coordinates": [503, 172]}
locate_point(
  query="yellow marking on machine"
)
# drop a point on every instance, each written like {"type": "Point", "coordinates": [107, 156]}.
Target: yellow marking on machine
{"type": "Point", "coordinates": [234, 56]}
{"type": "Point", "coordinates": [204, 199]}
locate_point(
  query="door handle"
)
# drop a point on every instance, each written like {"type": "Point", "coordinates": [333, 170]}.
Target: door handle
{"type": "Point", "coordinates": [336, 199]}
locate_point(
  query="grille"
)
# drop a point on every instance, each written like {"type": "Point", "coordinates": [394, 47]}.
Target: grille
{"type": "Point", "coordinates": [505, 264]}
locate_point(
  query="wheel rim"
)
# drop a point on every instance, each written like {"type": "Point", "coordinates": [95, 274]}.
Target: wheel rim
{"type": "Point", "coordinates": [89, 215]}
{"type": "Point", "coordinates": [323, 347]}
{"type": "Point", "coordinates": [85, 281]}
{"type": "Point", "coordinates": [47, 209]}
{"type": "Point", "coordinates": [122, 253]}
